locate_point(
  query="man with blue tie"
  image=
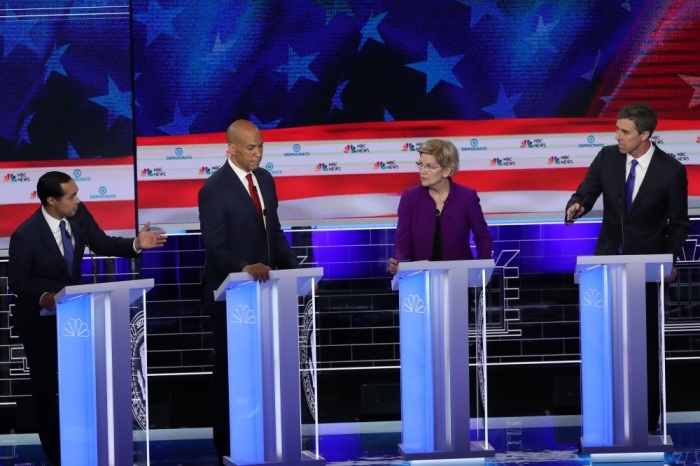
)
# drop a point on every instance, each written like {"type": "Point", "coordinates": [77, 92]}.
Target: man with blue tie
{"type": "Point", "coordinates": [645, 211]}
{"type": "Point", "coordinates": [45, 256]}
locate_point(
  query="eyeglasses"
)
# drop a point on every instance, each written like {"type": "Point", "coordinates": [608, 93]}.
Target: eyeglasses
{"type": "Point", "coordinates": [427, 166]}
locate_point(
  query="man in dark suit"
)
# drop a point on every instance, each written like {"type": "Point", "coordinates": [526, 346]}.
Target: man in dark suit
{"type": "Point", "coordinates": [38, 268]}
{"type": "Point", "coordinates": [655, 221]}
{"type": "Point", "coordinates": [240, 234]}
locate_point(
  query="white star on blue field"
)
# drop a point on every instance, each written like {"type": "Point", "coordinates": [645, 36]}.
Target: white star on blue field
{"type": "Point", "coordinates": [297, 67]}
{"type": "Point", "coordinates": [158, 21]}
{"type": "Point", "coordinates": [481, 8]}
{"type": "Point", "coordinates": [437, 68]}
{"type": "Point", "coordinates": [503, 108]}
{"type": "Point", "coordinates": [370, 30]}
{"type": "Point", "coordinates": [336, 101]}
{"type": "Point", "coordinates": [53, 63]}
{"type": "Point", "coordinates": [116, 102]}
{"type": "Point", "coordinates": [16, 32]}
{"type": "Point", "coordinates": [180, 124]}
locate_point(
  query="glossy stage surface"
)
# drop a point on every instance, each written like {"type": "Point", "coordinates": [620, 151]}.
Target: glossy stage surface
{"type": "Point", "coordinates": [551, 440]}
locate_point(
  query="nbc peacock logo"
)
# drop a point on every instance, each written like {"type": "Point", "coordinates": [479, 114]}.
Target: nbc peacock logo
{"type": "Point", "coordinates": [152, 172]}
{"type": "Point", "coordinates": [21, 177]}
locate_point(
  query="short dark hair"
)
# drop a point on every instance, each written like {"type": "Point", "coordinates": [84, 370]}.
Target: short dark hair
{"type": "Point", "coordinates": [49, 185]}
{"type": "Point", "coordinates": [643, 116]}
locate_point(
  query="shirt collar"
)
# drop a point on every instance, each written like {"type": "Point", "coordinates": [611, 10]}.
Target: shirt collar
{"type": "Point", "coordinates": [644, 159]}
{"type": "Point", "coordinates": [238, 171]}
{"type": "Point", "coordinates": [54, 224]}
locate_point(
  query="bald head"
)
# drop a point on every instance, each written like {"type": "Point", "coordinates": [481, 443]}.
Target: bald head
{"type": "Point", "coordinates": [245, 143]}
{"type": "Point", "coordinates": [238, 127]}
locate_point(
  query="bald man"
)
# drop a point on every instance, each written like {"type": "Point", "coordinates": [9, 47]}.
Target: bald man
{"type": "Point", "coordinates": [241, 233]}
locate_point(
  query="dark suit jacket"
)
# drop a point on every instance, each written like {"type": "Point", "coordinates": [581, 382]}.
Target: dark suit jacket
{"type": "Point", "coordinates": [36, 265]}
{"type": "Point", "coordinates": [658, 220]}
{"type": "Point", "coordinates": [232, 232]}
{"type": "Point", "coordinates": [461, 216]}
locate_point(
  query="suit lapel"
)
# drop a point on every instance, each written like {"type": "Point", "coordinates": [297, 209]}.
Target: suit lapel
{"type": "Point", "coordinates": [647, 182]}
{"type": "Point", "coordinates": [50, 241]}
{"type": "Point", "coordinates": [78, 241]}
{"type": "Point", "coordinates": [241, 191]}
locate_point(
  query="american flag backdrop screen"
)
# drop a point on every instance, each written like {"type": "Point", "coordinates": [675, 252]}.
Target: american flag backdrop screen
{"type": "Point", "coordinates": [133, 98]}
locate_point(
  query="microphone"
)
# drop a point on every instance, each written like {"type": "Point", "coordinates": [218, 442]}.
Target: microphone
{"type": "Point", "coordinates": [92, 256]}
{"type": "Point", "coordinates": [267, 239]}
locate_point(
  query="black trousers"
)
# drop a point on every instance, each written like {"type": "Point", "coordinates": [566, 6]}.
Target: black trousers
{"type": "Point", "coordinates": [41, 349]}
{"type": "Point", "coordinates": [220, 408]}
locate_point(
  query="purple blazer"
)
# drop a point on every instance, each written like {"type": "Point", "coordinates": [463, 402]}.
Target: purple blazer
{"type": "Point", "coordinates": [461, 215]}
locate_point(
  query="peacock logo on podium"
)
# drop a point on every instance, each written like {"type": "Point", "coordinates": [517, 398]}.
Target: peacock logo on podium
{"type": "Point", "coordinates": [76, 328]}
{"type": "Point", "coordinates": [413, 303]}
{"type": "Point", "coordinates": [592, 298]}
{"type": "Point", "coordinates": [242, 314]}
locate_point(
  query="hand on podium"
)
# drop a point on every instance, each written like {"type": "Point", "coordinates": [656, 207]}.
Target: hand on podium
{"type": "Point", "coordinates": [260, 272]}
{"type": "Point", "coordinates": [393, 266]}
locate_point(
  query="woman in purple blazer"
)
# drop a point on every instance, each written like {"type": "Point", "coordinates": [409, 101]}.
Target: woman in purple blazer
{"type": "Point", "coordinates": [437, 218]}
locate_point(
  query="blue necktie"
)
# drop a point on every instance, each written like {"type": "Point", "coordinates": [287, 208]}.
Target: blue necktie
{"type": "Point", "coordinates": [630, 186]}
{"type": "Point", "coordinates": [68, 250]}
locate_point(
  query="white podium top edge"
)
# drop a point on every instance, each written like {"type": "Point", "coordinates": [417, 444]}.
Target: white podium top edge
{"type": "Point", "coordinates": [303, 277]}
{"type": "Point", "coordinates": [651, 262]}
{"type": "Point", "coordinates": [473, 268]}
{"type": "Point", "coordinates": [75, 291]}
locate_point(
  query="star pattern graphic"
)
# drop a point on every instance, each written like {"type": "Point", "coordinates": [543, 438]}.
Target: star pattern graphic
{"type": "Point", "coordinates": [53, 63]}
{"type": "Point", "coordinates": [158, 21]}
{"type": "Point", "coordinates": [116, 102]}
{"type": "Point", "coordinates": [219, 53]}
{"type": "Point", "coordinates": [24, 131]}
{"type": "Point", "coordinates": [336, 102]}
{"type": "Point", "coordinates": [297, 67]}
{"type": "Point", "coordinates": [437, 68]}
{"type": "Point", "coordinates": [180, 124]}
{"type": "Point", "coordinates": [371, 30]}
{"type": "Point", "coordinates": [503, 108]}
{"type": "Point", "coordinates": [227, 59]}
{"type": "Point", "coordinates": [694, 82]}
{"type": "Point", "coordinates": [71, 153]}
{"type": "Point", "coordinates": [334, 8]}
{"type": "Point", "coordinates": [16, 32]}
{"type": "Point", "coordinates": [481, 8]}
{"type": "Point", "coordinates": [542, 37]}
{"type": "Point", "coordinates": [264, 125]}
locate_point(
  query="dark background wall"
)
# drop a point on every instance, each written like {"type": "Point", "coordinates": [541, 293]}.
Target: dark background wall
{"type": "Point", "coordinates": [533, 346]}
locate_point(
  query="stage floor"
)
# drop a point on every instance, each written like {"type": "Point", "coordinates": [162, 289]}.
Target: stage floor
{"type": "Point", "coordinates": [517, 441]}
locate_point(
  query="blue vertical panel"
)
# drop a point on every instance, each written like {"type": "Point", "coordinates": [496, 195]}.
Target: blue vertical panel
{"type": "Point", "coordinates": [76, 382]}
{"type": "Point", "coordinates": [245, 374]}
{"type": "Point", "coordinates": [417, 412]}
{"type": "Point", "coordinates": [596, 357]}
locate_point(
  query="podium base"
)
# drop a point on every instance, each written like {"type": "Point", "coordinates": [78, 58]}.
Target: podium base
{"type": "Point", "coordinates": [307, 459]}
{"type": "Point", "coordinates": [475, 455]}
{"type": "Point", "coordinates": [653, 451]}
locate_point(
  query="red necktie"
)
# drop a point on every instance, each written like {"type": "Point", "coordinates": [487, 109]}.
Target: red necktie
{"type": "Point", "coordinates": [254, 196]}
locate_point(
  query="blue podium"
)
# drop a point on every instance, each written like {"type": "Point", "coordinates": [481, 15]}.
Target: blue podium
{"type": "Point", "coordinates": [434, 338]}
{"type": "Point", "coordinates": [612, 293]}
{"type": "Point", "coordinates": [94, 372]}
{"type": "Point", "coordinates": [264, 368]}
